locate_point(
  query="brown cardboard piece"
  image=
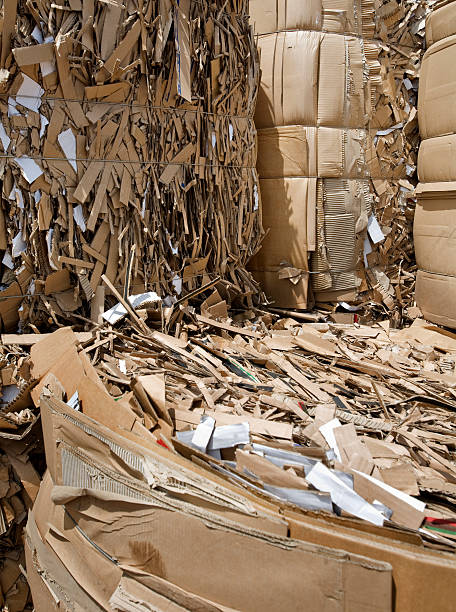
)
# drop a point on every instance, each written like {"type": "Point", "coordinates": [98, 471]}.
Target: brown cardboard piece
{"type": "Point", "coordinates": [413, 566]}
{"type": "Point", "coordinates": [286, 242]}
{"type": "Point", "coordinates": [227, 544]}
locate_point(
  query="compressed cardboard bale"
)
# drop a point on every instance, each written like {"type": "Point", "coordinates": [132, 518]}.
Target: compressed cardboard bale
{"type": "Point", "coordinates": [342, 153]}
{"type": "Point", "coordinates": [269, 16]}
{"type": "Point", "coordinates": [366, 79]}
{"type": "Point", "coordinates": [146, 140]}
{"type": "Point", "coordinates": [313, 108]}
{"type": "Point", "coordinates": [441, 23]}
{"type": "Point", "coordinates": [310, 78]}
{"type": "Point", "coordinates": [289, 63]}
{"type": "Point", "coordinates": [348, 16]}
{"type": "Point", "coordinates": [343, 208]}
{"type": "Point", "coordinates": [437, 97]}
{"type": "Point", "coordinates": [437, 159]}
{"type": "Point", "coordinates": [287, 151]}
{"type": "Point", "coordinates": [435, 234]}
{"type": "Point", "coordinates": [435, 219]}
{"type": "Point", "coordinates": [436, 297]}
{"type": "Point", "coordinates": [341, 84]}
{"type": "Point", "coordinates": [295, 150]}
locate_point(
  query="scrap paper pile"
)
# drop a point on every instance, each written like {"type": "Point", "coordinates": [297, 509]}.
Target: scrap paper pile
{"type": "Point", "coordinates": [269, 446]}
{"type": "Point", "coordinates": [435, 219]}
{"type": "Point", "coordinates": [388, 255]}
{"type": "Point", "coordinates": [127, 149]}
{"type": "Point", "coordinates": [20, 439]}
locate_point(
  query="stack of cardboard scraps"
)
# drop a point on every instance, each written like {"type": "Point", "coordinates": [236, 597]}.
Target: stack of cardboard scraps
{"type": "Point", "coordinates": [127, 148]}
{"type": "Point", "coordinates": [19, 480]}
{"type": "Point", "coordinates": [235, 452]}
{"type": "Point", "coordinates": [435, 219]}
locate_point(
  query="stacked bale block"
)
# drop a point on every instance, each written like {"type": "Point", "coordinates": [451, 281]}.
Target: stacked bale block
{"type": "Point", "coordinates": [312, 116]}
{"type": "Point", "coordinates": [435, 217]}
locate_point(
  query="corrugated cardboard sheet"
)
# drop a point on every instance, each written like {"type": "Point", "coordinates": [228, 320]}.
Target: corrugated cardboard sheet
{"type": "Point", "coordinates": [118, 523]}
{"type": "Point", "coordinates": [287, 212]}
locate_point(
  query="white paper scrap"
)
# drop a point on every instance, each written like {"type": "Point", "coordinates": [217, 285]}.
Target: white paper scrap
{"type": "Point", "coordinates": [4, 138]}
{"type": "Point", "coordinates": [29, 167]}
{"type": "Point", "coordinates": [19, 245]}
{"type": "Point", "coordinates": [255, 198]}
{"type": "Point", "coordinates": [349, 307]}
{"type": "Point", "coordinates": [29, 94]}
{"type": "Point", "coordinates": [327, 431]}
{"type": "Point", "coordinates": [47, 68]}
{"type": "Point", "coordinates": [16, 195]}
{"type": "Point", "coordinates": [37, 35]}
{"type": "Point", "coordinates": [73, 402]}
{"type": "Point", "coordinates": [7, 260]}
{"type": "Point", "coordinates": [44, 123]}
{"type": "Point", "coordinates": [49, 237]}
{"type": "Point", "coordinates": [203, 433]}
{"type": "Point", "coordinates": [12, 110]}
{"type": "Point", "coordinates": [228, 436]}
{"type": "Point", "coordinates": [324, 480]}
{"type": "Point", "coordinates": [177, 283]}
{"type": "Point", "coordinates": [310, 500]}
{"type": "Point", "coordinates": [367, 250]}
{"type": "Point", "coordinates": [78, 216]}
{"type": "Point", "coordinates": [375, 231]}
{"type": "Point", "coordinates": [67, 141]}
{"type": "Point", "coordinates": [398, 126]}
{"type": "Point", "coordinates": [116, 313]}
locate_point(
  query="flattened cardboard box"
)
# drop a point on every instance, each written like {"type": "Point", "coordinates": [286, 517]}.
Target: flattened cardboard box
{"type": "Point", "coordinates": [423, 580]}
{"type": "Point", "coordinates": [289, 213]}
{"type": "Point", "coordinates": [300, 151]}
{"type": "Point", "coordinates": [272, 15]}
{"type": "Point", "coordinates": [96, 496]}
{"type": "Point", "coordinates": [341, 16]}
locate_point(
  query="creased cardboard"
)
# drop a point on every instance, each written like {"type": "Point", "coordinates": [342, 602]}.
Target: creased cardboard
{"type": "Point", "coordinates": [224, 538]}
